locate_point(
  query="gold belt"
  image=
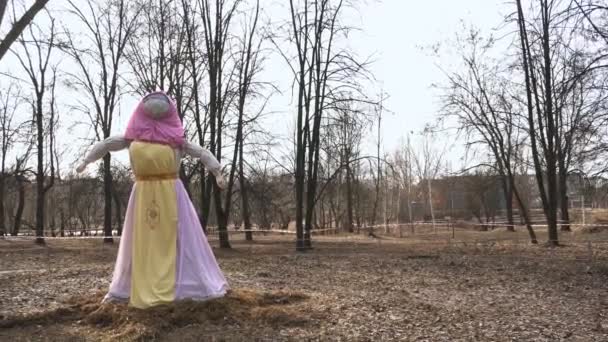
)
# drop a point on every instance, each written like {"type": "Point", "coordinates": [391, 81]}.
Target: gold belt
{"type": "Point", "coordinates": [160, 177]}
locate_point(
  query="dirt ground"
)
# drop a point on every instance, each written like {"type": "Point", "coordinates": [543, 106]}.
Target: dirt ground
{"type": "Point", "coordinates": [479, 287]}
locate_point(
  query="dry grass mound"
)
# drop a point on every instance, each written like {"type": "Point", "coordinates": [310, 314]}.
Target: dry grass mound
{"type": "Point", "coordinates": [118, 321]}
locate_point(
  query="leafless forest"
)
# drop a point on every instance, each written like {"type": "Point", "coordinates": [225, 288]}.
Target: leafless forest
{"type": "Point", "coordinates": [514, 161]}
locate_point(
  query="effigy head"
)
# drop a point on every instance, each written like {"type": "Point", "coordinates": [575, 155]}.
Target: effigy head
{"type": "Point", "coordinates": [157, 105]}
{"type": "Point", "coordinates": [156, 119]}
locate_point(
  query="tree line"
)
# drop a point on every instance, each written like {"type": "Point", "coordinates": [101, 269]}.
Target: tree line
{"type": "Point", "coordinates": [529, 103]}
{"type": "Point", "coordinates": [209, 56]}
{"type": "Point", "coordinates": [532, 102]}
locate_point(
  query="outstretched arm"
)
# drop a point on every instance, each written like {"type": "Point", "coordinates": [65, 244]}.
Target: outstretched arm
{"type": "Point", "coordinates": [111, 144]}
{"type": "Point", "coordinates": [208, 159]}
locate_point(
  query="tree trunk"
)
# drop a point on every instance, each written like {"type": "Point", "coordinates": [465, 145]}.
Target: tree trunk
{"type": "Point", "coordinates": [62, 224]}
{"type": "Point", "coordinates": [349, 199]}
{"type": "Point", "coordinates": [507, 188]}
{"type": "Point", "coordinates": [312, 173]}
{"type": "Point", "coordinates": [222, 223]}
{"type": "Point", "coordinates": [311, 191]}
{"type": "Point", "coordinates": [300, 172]}
{"type": "Point", "coordinates": [107, 191]}
{"type": "Point", "coordinates": [565, 215]}
{"type": "Point", "coordinates": [39, 174]}
{"type": "Point", "coordinates": [2, 214]}
{"type": "Point", "coordinates": [524, 213]}
{"type": "Point", "coordinates": [52, 224]}
{"type": "Point", "coordinates": [551, 132]}
{"type": "Point", "coordinates": [551, 205]}
{"type": "Point", "coordinates": [20, 205]}
{"type": "Point", "coordinates": [321, 213]}
{"type": "Point", "coordinates": [223, 213]}
{"type": "Point", "coordinates": [244, 196]}
{"type": "Point", "coordinates": [222, 227]}
{"type": "Point", "coordinates": [564, 200]}
{"type": "Point", "coordinates": [213, 113]}
{"type": "Point", "coordinates": [376, 196]}
{"type": "Point", "coordinates": [117, 212]}
{"type": "Point", "coordinates": [548, 152]}
{"type": "Point", "coordinates": [358, 203]}
{"type": "Point", "coordinates": [484, 227]}
{"type": "Point", "coordinates": [551, 215]}
{"type": "Point", "coordinates": [221, 216]}
{"type": "Point", "coordinates": [431, 204]}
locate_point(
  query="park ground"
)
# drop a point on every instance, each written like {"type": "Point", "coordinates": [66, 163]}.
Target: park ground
{"type": "Point", "coordinates": [479, 286]}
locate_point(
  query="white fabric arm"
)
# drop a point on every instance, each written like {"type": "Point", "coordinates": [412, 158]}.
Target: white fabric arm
{"type": "Point", "coordinates": [206, 157]}
{"type": "Point", "coordinates": [111, 144]}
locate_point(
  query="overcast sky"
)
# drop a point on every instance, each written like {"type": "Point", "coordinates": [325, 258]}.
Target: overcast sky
{"type": "Point", "coordinates": [392, 31]}
{"type": "Point", "coordinates": [395, 33]}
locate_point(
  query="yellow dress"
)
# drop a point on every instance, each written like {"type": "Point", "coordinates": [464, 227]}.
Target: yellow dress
{"type": "Point", "coordinates": [164, 255]}
{"type": "Point", "coordinates": [155, 223]}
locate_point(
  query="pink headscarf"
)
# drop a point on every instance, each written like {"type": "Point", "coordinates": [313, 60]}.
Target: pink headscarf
{"type": "Point", "coordinates": [166, 130]}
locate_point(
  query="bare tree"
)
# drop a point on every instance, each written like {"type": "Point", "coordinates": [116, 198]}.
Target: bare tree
{"type": "Point", "coordinates": [271, 203]}
{"type": "Point", "coordinates": [9, 130]}
{"type": "Point", "coordinates": [20, 172]}
{"type": "Point", "coordinates": [541, 116]}
{"type": "Point", "coordinates": [35, 59]}
{"type": "Point", "coordinates": [247, 67]}
{"type": "Point", "coordinates": [324, 74]}
{"type": "Point", "coordinates": [196, 66]}
{"type": "Point", "coordinates": [350, 136]}
{"type": "Point", "coordinates": [17, 25]}
{"type": "Point", "coordinates": [216, 34]}
{"type": "Point", "coordinates": [481, 195]}
{"type": "Point", "coordinates": [108, 26]}
{"type": "Point", "coordinates": [557, 120]}
{"type": "Point", "coordinates": [428, 160]}
{"type": "Point", "coordinates": [82, 197]}
{"type": "Point", "coordinates": [378, 174]}
{"type": "Point", "coordinates": [404, 164]}
{"type": "Point", "coordinates": [156, 51]}
{"type": "Point", "coordinates": [120, 193]}
{"type": "Point", "coordinates": [340, 146]}
{"type": "Point", "coordinates": [478, 97]}
{"type": "Point", "coordinates": [589, 152]}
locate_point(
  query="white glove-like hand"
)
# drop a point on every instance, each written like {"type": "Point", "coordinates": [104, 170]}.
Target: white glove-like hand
{"type": "Point", "coordinates": [221, 182]}
{"type": "Point", "coordinates": [81, 167]}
